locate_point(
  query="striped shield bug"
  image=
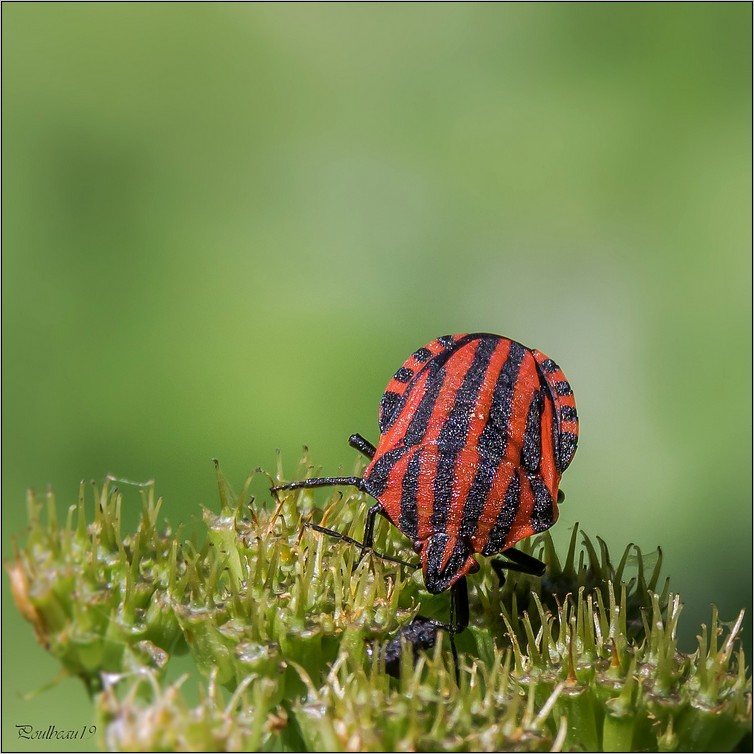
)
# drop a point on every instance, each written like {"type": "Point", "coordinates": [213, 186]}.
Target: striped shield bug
{"type": "Point", "coordinates": [475, 433]}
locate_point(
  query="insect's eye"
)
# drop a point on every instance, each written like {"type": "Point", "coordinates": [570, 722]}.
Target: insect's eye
{"type": "Point", "coordinates": [561, 496]}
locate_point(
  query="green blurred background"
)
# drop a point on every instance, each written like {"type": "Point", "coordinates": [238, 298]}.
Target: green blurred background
{"type": "Point", "coordinates": [227, 225]}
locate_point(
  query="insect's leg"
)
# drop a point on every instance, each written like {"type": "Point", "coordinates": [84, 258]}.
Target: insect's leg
{"type": "Point", "coordinates": [356, 543]}
{"type": "Point", "coordinates": [523, 562]}
{"type": "Point", "coordinates": [369, 530]}
{"type": "Point", "coordinates": [330, 481]}
{"type": "Point", "coordinates": [498, 566]}
{"type": "Point", "coordinates": [357, 442]}
{"type": "Point", "coordinates": [372, 513]}
{"type": "Point", "coordinates": [459, 617]}
{"type": "Point", "coordinates": [459, 606]}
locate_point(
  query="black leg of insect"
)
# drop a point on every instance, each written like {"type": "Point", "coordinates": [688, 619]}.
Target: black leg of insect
{"type": "Point", "coordinates": [358, 442]}
{"type": "Point", "coordinates": [459, 607]}
{"type": "Point", "coordinates": [459, 617]}
{"type": "Point", "coordinates": [518, 561]}
{"type": "Point", "coordinates": [360, 545]}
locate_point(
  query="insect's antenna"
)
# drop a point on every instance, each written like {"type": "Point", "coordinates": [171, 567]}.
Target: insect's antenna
{"type": "Point", "coordinates": [360, 545]}
{"type": "Point", "coordinates": [330, 481]}
{"type": "Point", "coordinates": [357, 442]}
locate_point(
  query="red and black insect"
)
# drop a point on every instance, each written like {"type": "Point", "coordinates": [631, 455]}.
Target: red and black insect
{"type": "Point", "coordinates": [475, 433]}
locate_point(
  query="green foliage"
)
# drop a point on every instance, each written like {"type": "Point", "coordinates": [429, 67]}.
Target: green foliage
{"type": "Point", "coordinates": [285, 626]}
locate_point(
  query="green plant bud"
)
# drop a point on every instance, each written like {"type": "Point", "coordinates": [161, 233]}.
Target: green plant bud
{"type": "Point", "coordinates": [259, 659]}
{"type": "Point", "coordinates": [617, 732]}
{"type": "Point", "coordinates": [19, 584]}
{"type": "Point", "coordinates": [576, 704]}
{"type": "Point", "coordinates": [212, 652]}
{"type": "Point", "coordinates": [144, 654]}
{"type": "Point", "coordinates": [161, 625]}
{"type": "Point", "coordinates": [303, 645]}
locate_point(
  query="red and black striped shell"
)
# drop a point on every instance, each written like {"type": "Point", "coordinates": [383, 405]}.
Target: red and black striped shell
{"type": "Point", "coordinates": [475, 433]}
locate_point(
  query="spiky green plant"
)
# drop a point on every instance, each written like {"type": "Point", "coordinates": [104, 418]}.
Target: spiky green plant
{"type": "Point", "coordinates": [286, 630]}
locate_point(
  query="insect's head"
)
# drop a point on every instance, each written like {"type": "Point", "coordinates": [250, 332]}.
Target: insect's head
{"type": "Point", "coordinates": [445, 560]}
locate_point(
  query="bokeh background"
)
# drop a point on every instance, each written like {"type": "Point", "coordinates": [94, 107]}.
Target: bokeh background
{"type": "Point", "coordinates": [226, 225]}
